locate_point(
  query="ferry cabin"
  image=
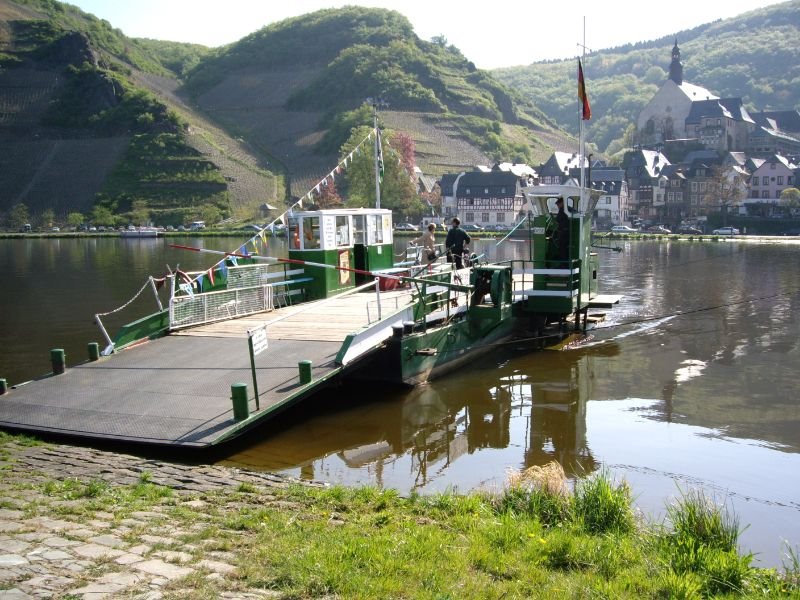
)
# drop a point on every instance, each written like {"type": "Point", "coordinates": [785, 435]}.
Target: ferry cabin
{"type": "Point", "coordinates": [358, 241]}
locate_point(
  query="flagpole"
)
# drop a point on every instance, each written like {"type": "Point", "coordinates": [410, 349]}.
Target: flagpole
{"type": "Point", "coordinates": [581, 140]}
{"type": "Point", "coordinates": [377, 150]}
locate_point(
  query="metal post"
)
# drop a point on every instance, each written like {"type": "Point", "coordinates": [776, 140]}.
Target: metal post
{"type": "Point", "coordinates": [171, 299]}
{"type": "Point", "coordinates": [305, 371]}
{"type": "Point", "coordinates": [378, 296]}
{"type": "Point", "coordinates": [253, 368]}
{"type": "Point", "coordinates": [104, 332]}
{"type": "Point", "coordinates": [3, 386]}
{"type": "Point", "coordinates": [241, 409]}
{"type": "Point", "coordinates": [59, 360]}
{"type": "Point", "coordinates": [378, 150]}
{"type": "Point", "coordinates": [94, 351]}
{"type": "Point", "coordinates": [155, 293]}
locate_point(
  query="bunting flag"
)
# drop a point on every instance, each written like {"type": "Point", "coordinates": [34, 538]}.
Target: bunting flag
{"type": "Point", "coordinates": [210, 273]}
{"type": "Point", "coordinates": [234, 261]}
{"type": "Point", "coordinates": [586, 110]}
{"type": "Point", "coordinates": [223, 269]}
{"type": "Point", "coordinates": [186, 288]}
{"type": "Point", "coordinates": [243, 250]}
{"type": "Point", "coordinates": [200, 280]}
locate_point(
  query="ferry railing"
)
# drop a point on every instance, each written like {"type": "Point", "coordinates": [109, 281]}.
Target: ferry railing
{"type": "Point", "coordinates": [543, 278]}
{"type": "Point", "coordinates": [249, 289]}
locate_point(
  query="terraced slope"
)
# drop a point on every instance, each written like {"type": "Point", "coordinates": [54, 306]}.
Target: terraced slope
{"type": "Point", "coordinates": [248, 171]}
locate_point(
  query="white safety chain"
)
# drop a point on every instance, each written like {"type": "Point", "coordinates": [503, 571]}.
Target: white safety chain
{"type": "Point", "coordinates": [110, 347]}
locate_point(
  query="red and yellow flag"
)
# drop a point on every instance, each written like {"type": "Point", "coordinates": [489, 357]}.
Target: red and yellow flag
{"type": "Point", "coordinates": [586, 110]}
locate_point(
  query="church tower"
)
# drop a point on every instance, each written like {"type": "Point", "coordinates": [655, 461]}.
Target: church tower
{"type": "Point", "coordinates": [676, 68]}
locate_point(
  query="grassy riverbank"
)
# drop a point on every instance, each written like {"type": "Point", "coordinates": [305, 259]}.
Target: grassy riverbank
{"type": "Point", "coordinates": [239, 535]}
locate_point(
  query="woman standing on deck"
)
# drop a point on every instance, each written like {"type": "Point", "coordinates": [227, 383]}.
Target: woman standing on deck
{"type": "Point", "coordinates": [428, 243]}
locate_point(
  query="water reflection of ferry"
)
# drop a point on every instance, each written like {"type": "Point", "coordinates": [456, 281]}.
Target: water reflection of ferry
{"type": "Point", "coordinates": [418, 436]}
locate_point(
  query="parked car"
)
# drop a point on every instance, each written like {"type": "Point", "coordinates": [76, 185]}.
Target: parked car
{"type": "Point", "coordinates": [623, 229]}
{"type": "Point", "coordinates": [474, 227]}
{"type": "Point", "coordinates": [690, 231]}
{"type": "Point", "coordinates": [726, 231]}
{"type": "Point", "coordinates": [405, 227]}
{"type": "Point", "coordinates": [253, 227]}
{"type": "Point", "coordinates": [658, 229]}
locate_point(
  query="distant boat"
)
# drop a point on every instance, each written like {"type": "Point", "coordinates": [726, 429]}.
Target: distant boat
{"type": "Point", "coordinates": [140, 232]}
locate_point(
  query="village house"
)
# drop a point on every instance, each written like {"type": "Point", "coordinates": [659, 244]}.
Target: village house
{"type": "Point", "coordinates": [647, 185]}
{"type": "Point", "coordinates": [776, 132]}
{"type": "Point", "coordinates": [612, 206]}
{"type": "Point", "coordinates": [487, 199]}
{"type": "Point", "coordinates": [768, 181]}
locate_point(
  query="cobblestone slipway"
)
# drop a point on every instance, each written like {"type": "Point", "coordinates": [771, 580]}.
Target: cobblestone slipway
{"type": "Point", "coordinates": [75, 557]}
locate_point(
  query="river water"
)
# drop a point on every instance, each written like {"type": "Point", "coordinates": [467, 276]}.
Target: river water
{"type": "Point", "coordinates": [690, 382]}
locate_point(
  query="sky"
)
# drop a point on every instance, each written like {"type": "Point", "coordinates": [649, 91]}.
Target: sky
{"type": "Point", "coordinates": [502, 33]}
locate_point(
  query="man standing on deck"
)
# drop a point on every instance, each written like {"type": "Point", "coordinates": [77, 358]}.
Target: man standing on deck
{"type": "Point", "coordinates": [456, 239]}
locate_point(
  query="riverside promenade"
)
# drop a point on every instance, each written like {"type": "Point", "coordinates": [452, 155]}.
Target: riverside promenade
{"type": "Point", "coordinates": [62, 534]}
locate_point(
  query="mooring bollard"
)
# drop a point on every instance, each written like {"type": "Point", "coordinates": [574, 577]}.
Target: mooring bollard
{"type": "Point", "coordinates": [59, 360]}
{"type": "Point", "coordinates": [241, 406]}
{"type": "Point", "coordinates": [94, 351]}
{"type": "Point", "coordinates": [3, 386]}
{"type": "Point", "coordinates": [305, 371]}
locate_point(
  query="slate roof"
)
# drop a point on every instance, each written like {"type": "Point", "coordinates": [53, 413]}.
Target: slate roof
{"type": "Point", "coordinates": [785, 120]}
{"type": "Point", "coordinates": [478, 181]}
{"type": "Point", "coordinates": [696, 92]}
{"type": "Point", "coordinates": [561, 163]}
{"type": "Point", "coordinates": [735, 106]}
{"type": "Point", "coordinates": [518, 169]}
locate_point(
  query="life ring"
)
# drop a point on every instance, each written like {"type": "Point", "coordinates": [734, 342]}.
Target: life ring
{"type": "Point", "coordinates": [296, 239]}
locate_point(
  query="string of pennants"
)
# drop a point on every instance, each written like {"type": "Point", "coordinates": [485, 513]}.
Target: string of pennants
{"type": "Point", "coordinates": [259, 242]}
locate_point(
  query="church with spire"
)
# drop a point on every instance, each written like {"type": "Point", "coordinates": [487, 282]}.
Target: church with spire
{"type": "Point", "coordinates": [684, 111]}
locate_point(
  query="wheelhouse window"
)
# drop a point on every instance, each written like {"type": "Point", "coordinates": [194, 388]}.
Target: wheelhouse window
{"type": "Point", "coordinates": [342, 231]}
{"type": "Point", "coordinates": [310, 233]}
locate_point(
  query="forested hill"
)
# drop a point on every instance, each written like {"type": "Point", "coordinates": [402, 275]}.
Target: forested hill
{"type": "Point", "coordinates": [755, 56]}
{"type": "Point", "coordinates": [92, 129]}
{"type": "Point", "coordinates": [296, 86]}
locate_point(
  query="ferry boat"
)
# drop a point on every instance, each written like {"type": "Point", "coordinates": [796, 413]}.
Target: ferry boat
{"type": "Point", "coordinates": [337, 305]}
{"type": "Point", "coordinates": [139, 232]}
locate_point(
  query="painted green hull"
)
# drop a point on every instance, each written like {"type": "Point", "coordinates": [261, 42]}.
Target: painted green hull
{"type": "Point", "coordinates": [418, 357]}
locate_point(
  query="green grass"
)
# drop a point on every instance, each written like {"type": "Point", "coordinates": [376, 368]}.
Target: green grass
{"type": "Point", "coordinates": [537, 538]}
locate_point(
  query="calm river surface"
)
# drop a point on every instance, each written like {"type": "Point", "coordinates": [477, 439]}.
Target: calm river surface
{"type": "Point", "coordinates": [691, 382]}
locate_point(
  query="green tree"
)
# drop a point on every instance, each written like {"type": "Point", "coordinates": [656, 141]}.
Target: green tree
{"type": "Point", "coordinates": [790, 197]}
{"type": "Point", "coordinates": [102, 215]}
{"type": "Point", "coordinates": [397, 190]}
{"type": "Point", "coordinates": [47, 218]}
{"type": "Point", "coordinates": [19, 215]}
{"type": "Point", "coordinates": [140, 214]}
{"type": "Point", "coordinates": [210, 214]}
{"type": "Point", "coordinates": [74, 219]}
